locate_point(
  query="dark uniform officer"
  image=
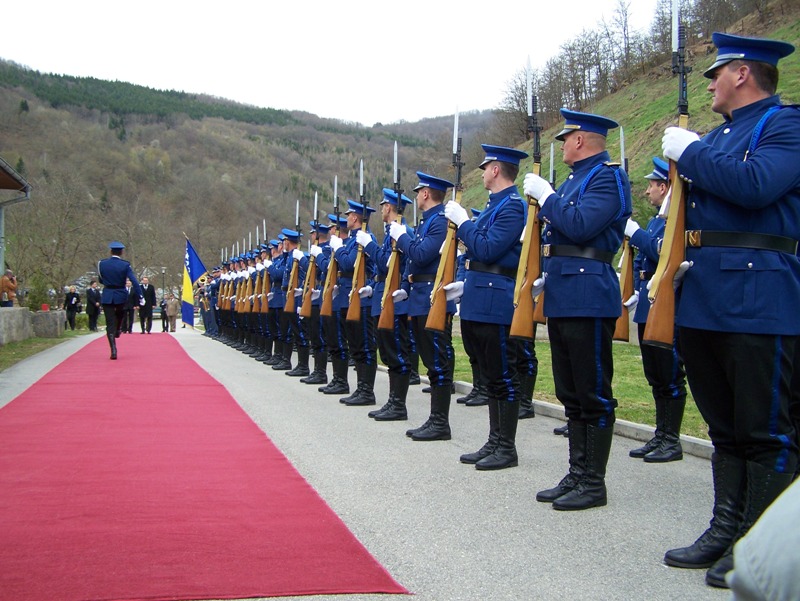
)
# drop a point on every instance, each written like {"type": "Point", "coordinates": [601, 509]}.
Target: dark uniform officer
{"type": "Point", "coordinates": [585, 223]}
{"type": "Point", "coordinates": [298, 327]}
{"type": "Point", "coordinates": [394, 345]}
{"type": "Point", "coordinates": [361, 333]}
{"type": "Point", "coordinates": [333, 325]}
{"type": "Point", "coordinates": [113, 271]}
{"type": "Point", "coordinates": [663, 368]}
{"type": "Point", "coordinates": [422, 256]}
{"type": "Point", "coordinates": [316, 334]}
{"type": "Point", "coordinates": [737, 314]}
{"type": "Point", "coordinates": [487, 305]}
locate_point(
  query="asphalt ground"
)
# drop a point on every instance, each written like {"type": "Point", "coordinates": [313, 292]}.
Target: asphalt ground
{"type": "Point", "coordinates": [444, 530]}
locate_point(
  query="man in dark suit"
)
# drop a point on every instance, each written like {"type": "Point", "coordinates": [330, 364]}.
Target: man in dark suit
{"type": "Point", "coordinates": [130, 306]}
{"type": "Point", "coordinates": [146, 310]}
{"type": "Point", "coordinates": [93, 306]}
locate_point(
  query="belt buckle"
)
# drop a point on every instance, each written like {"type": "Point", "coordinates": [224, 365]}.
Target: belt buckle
{"type": "Point", "coordinates": [466, 263]}
{"type": "Point", "coordinates": [545, 250]}
{"type": "Point", "coordinates": [694, 238]}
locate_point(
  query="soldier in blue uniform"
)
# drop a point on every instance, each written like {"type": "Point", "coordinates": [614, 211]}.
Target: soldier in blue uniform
{"type": "Point", "coordinates": [333, 325]}
{"type": "Point", "coordinates": [393, 344]}
{"type": "Point", "coordinates": [487, 305]}
{"type": "Point", "coordinates": [360, 333]}
{"type": "Point", "coordinates": [584, 226]}
{"type": "Point", "coordinates": [297, 327]}
{"type": "Point", "coordinates": [422, 261]}
{"type": "Point", "coordinates": [663, 367]}
{"type": "Point", "coordinates": [319, 235]}
{"type": "Point", "coordinates": [264, 341]}
{"type": "Point", "coordinates": [276, 300]}
{"type": "Point", "coordinates": [737, 314]}
{"type": "Point", "coordinates": [112, 272]}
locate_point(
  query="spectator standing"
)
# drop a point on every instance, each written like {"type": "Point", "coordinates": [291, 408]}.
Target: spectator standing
{"type": "Point", "coordinates": [93, 306]}
{"type": "Point", "coordinates": [72, 305]}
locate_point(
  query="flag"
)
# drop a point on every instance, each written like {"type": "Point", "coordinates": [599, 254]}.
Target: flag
{"type": "Point", "coordinates": [193, 270]}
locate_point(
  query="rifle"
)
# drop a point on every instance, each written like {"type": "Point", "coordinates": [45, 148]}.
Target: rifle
{"type": "Point", "coordinates": [622, 328]}
{"type": "Point", "coordinates": [326, 308]}
{"type": "Point", "coordinates": [311, 272]}
{"type": "Point", "coordinates": [446, 272]}
{"type": "Point", "coordinates": [386, 319]}
{"type": "Point", "coordinates": [248, 292]}
{"type": "Point", "coordinates": [660, 327]}
{"type": "Point", "coordinates": [530, 258]}
{"type": "Point", "coordinates": [359, 268]}
{"type": "Point", "coordinates": [291, 303]}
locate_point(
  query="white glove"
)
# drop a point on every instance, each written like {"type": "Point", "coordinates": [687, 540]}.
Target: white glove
{"type": "Point", "coordinates": [365, 292]}
{"type": "Point", "coordinates": [270, 296]}
{"type": "Point", "coordinates": [141, 302]}
{"type": "Point", "coordinates": [298, 292]}
{"type": "Point", "coordinates": [297, 254]}
{"type": "Point", "coordinates": [315, 294]}
{"type": "Point", "coordinates": [537, 187]}
{"type": "Point", "coordinates": [396, 230]}
{"type": "Point", "coordinates": [259, 267]}
{"type": "Point", "coordinates": [267, 263]}
{"type": "Point", "coordinates": [538, 285]}
{"type": "Point", "coordinates": [631, 303]}
{"type": "Point", "coordinates": [680, 272]}
{"type": "Point", "coordinates": [455, 213]}
{"type": "Point", "coordinates": [335, 291]}
{"type": "Point", "coordinates": [315, 251]}
{"type": "Point", "coordinates": [250, 298]}
{"type": "Point", "coordinates": [453, 291]}
{"type": "Point", "coordinates": [631, 227]}
{"type": "Point", "coordinates": [336, 243]}
{"type": "Point", "coordinates": [399, 295]}
{"type": "Point", "coordinates": [363, 238]}
{"type": "Point", "coordinates": [675, 141]}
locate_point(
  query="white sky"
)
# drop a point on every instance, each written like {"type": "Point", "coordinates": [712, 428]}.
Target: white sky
{"type": "Point", "coordinates": [352, 60]}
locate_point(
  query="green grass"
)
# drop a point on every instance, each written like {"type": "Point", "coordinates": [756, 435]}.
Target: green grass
{"type": "Point", "coordinates": [630, 386]}
{"type": "Point", "coordinates": [14, 352]}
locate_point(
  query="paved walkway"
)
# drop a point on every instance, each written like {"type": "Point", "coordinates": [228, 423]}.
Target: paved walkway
{"type": "Point", "coordinates": [443, 529]}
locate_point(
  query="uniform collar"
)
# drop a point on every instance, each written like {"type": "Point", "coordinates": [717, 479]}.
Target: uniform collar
{"type": "Point", "coordinates": [753, 108]}
{"type": "Point", "coordinates": [589, 162]}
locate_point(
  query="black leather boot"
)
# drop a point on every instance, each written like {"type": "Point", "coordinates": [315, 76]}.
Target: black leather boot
{"type": "Point", "coordinates": [669, 447]}
{"type": "Point", "coordinates": [590, 491]}
{"type": "Point", "coordinates": [112, 342]}
{"type": "Point", "coordinates": [577, 464]}
{"type": "Point", "coordinates": [650, 445]}
{"type": "Point", "coordinates": [481, 397]}
{"type": "Point", "coordinates": [267, 350]}
{"type": "Point", "coordinates": [338, 384]}
{"type": "Point", "coordinates": [491, 443]}
{"type": "Point", "coordinates": [277, 353]}
{"type": "Point", "coordinates": [398, 384]}
{"type": "Point", "coordinates": [413, 378]}
{"type": "Point", "coordinates": [562, 430]}
{"type": "Point", "coordinates": [285, 360]}
{"type": "Point", "coordinates": [764, 485]}
{"type": "Point", "coordinates": [439, 426]}
{"type": "Point", "coordinates": [366, 385]}
{"type": "Point", "coordinates": [476, 377]}
{"type": "Point", "coordinates": [505, 454]}
{"type": "Point", "coordinates": [729, 485]}
{"type": "Point", "coordinates": [301, 369]}
{"type": "Point", "coordinates": [320, 373]}
{"type": "Point", "coordinates": [527, 382]}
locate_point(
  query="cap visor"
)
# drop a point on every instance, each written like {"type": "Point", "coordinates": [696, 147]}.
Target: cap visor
{"type": "Point", "coordinates": [709, 73]}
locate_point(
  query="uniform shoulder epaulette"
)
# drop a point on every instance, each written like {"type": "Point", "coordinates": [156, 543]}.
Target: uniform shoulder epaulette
{"type": "Point", "coordinates": [612, 164]}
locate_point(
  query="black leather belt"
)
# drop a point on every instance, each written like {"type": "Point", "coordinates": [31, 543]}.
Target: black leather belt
{"type": "Point", "coordinates": [419, 278]}
{"type": "Point", "coordinates": [577, 252]}
{"type": "Point", "coordinates": [646, 275]}
{"type": "Point", "coordinates": [508, 272]}
{"type": "Point", "coordinates": [380, 278]}
{"type": "Point", "coordinates": [698, 238]}
{"type": "Point", "coordinates": [346, 274]}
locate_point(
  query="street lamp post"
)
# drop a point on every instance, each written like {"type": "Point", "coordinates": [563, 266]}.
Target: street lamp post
{"type": "Point", "coordinates": [164, 281]}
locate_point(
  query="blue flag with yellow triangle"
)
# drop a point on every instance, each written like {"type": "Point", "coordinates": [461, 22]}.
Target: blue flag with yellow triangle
{"type": "Point", "coordinates": [193, 270]}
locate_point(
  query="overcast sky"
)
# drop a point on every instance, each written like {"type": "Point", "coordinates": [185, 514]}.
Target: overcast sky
{"type": "Point", "coordinates": [354, 60]}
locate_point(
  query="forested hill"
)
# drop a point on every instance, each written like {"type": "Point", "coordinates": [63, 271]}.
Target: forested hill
{"type": "Point", "coordinates": [112, 160]}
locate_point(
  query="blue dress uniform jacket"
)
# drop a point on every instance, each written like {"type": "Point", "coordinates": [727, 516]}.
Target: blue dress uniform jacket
{"type": "Point", "coordinates": [493, 239]}
{"type": "Point", "coordinates": [740, 289]}
{"type": "Point", "coordinates": [647, 241]}
{"type": "Point", "coordinates": [301, 275]}
{"type": "Point", "coordinates": [321, 262]}
{"type": "Point", "coordinates": [112, 272]}
{"type": "Point", "coordinates": [422, 258]}
{"type": "Point", "coordinates": [346, 259]}
{"type": "Point", "coordinates": [276, 281]}
{"type": "Point", "coordinates": [380, 257]}
{"type": "Point", "coordinates": [594, 217]}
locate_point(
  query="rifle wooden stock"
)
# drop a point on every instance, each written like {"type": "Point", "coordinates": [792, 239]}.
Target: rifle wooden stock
{"type": "Point", "coordinates": [386, 319]}
{"type": "Point", "coordinates": [326, 308]}
{"type": "Point", "coordinates": [257, 292]}
{"type": "Point", "coordinates": [222, 298]}
{"type": "Point", "coordinates": [445, 274]}
{"type": "Point", "coordinates": [538, 312]}
{"type": "Point", "coordinates": [622, 329]}
{"type": "Point", "coordinates": [308, 287]}
{"type": "Point", "coordinates": [291, 304]}
{"type": "Point", "coordinates": [359, 281]}
{"type": "Point", "coordinates": [248, 292]}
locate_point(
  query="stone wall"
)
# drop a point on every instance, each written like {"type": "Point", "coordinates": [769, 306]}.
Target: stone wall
{"type": "Point", "coordinates": [19, 323]}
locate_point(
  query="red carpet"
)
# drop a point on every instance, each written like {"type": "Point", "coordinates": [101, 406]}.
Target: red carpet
{"type": "Point", "coordinates": [143, 479]}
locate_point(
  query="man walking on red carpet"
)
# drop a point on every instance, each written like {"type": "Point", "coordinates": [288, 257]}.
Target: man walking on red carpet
{"type": "Point", "coordinates": [113, 272]}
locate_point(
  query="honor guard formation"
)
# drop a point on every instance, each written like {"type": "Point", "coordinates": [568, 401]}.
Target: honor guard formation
{"type": "Point", "coordinates": [714, 293]}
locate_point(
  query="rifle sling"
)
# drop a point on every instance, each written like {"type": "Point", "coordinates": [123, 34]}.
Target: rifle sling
{"type": "Point", "coordinates": [577, 252]}
{"type": "Point", "coordinates": [379, 278]}
{"type": "Point", "coordinates": [471, 265]}
{"type": "Point", "coordinates": [699, 238]}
